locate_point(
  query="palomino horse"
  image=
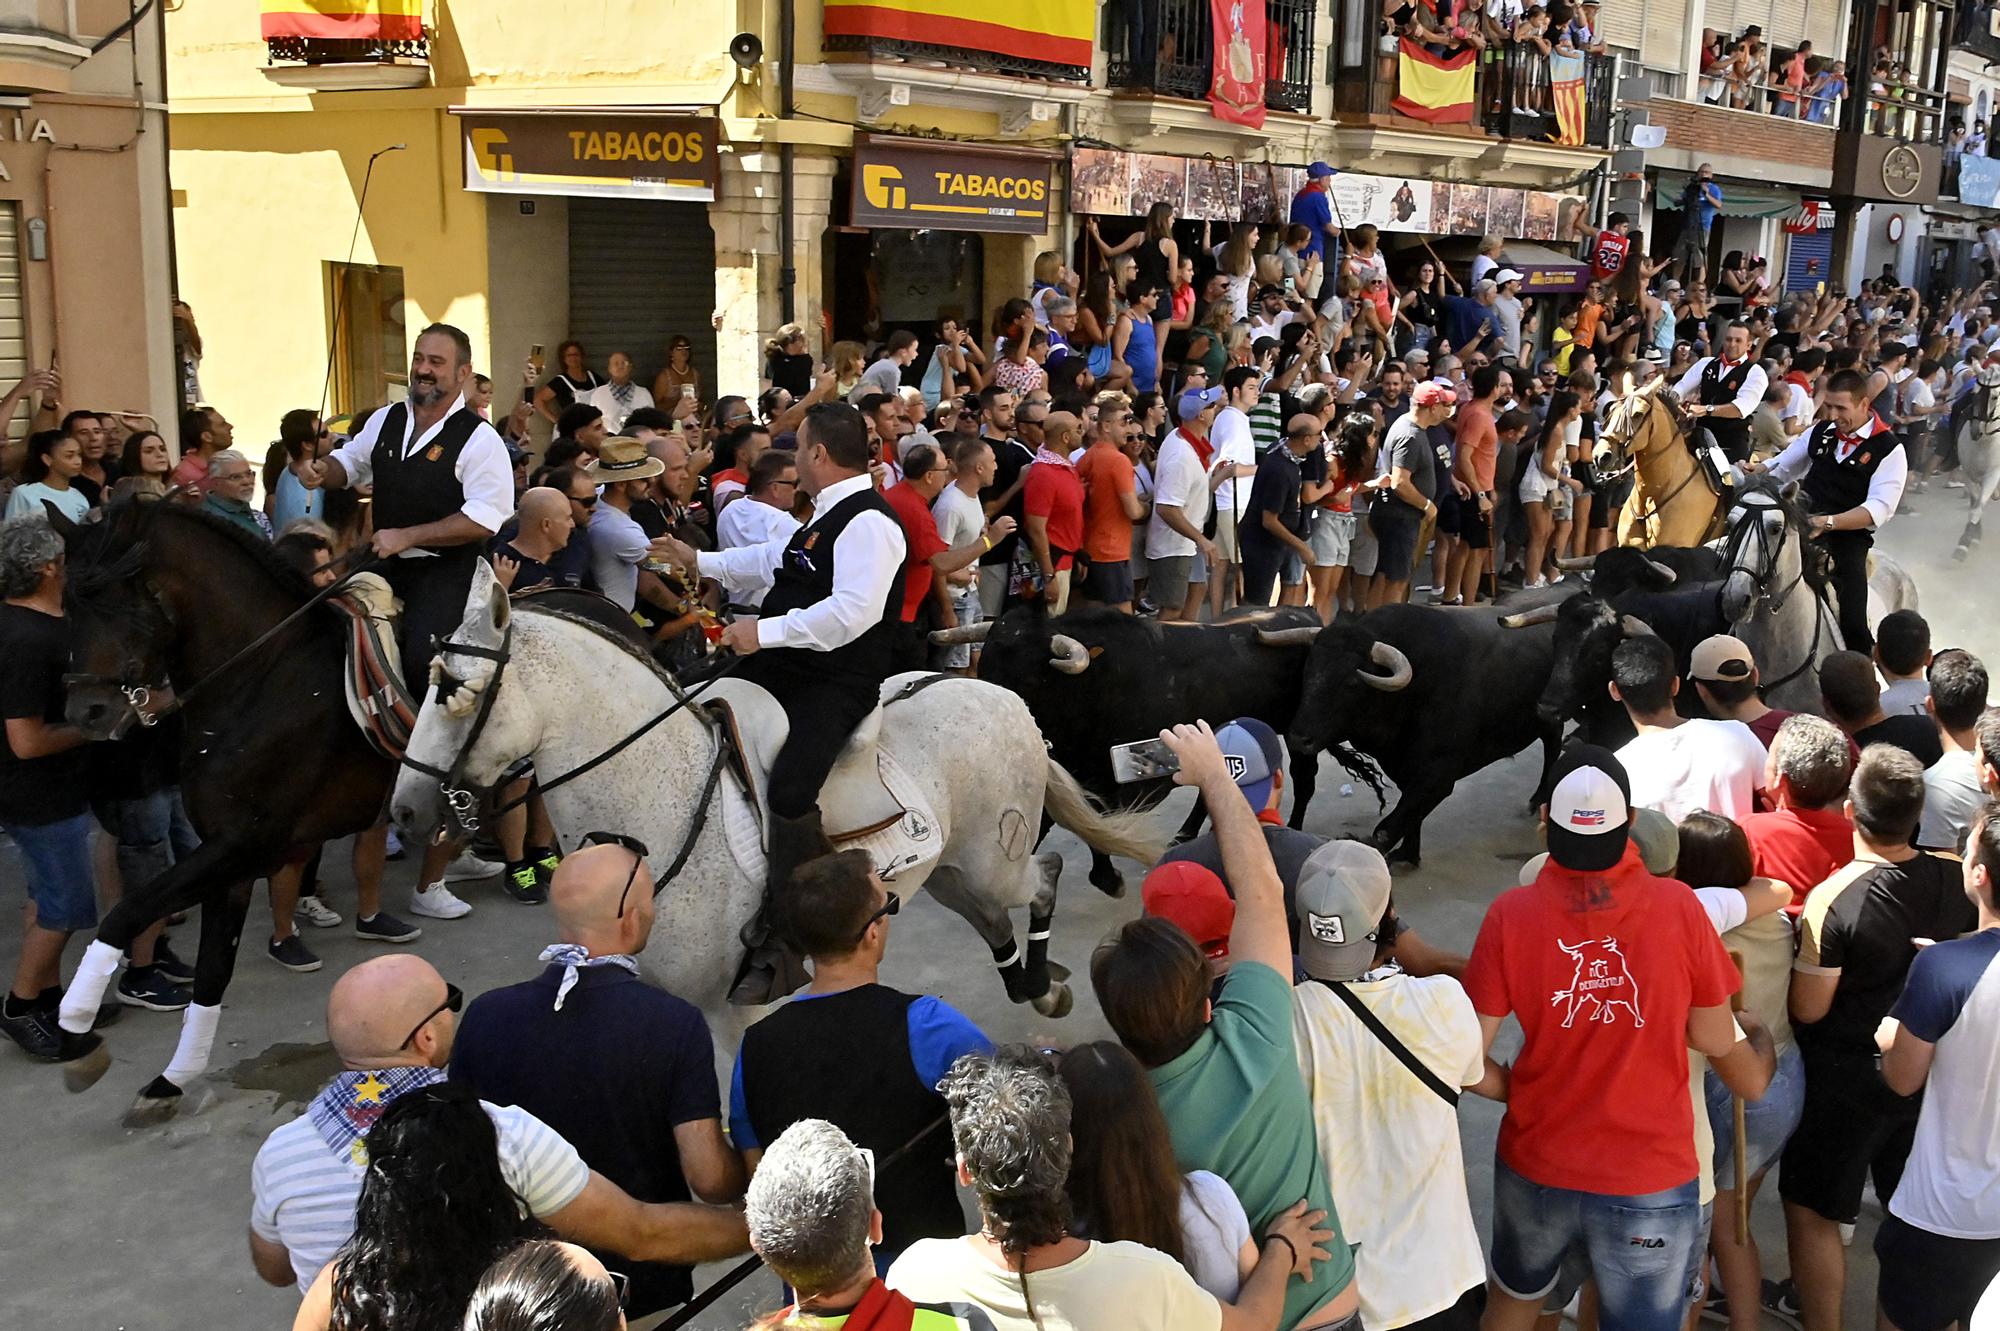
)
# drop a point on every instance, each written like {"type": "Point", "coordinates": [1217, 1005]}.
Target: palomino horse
{"type": "Point", "coordinates": [1672, 501]}
{"type": "Point", "coordinates": [1979, 455]}
{"type": "Point", "coordinates": [520, 682]}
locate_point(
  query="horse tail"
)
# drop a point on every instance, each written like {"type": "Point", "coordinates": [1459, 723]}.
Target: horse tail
{"type": "Point", "coordinates": [1136, 836]}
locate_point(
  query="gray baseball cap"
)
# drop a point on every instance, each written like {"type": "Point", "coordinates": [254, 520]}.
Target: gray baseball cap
{"type": "Point", "coordinates": [1343, 893]}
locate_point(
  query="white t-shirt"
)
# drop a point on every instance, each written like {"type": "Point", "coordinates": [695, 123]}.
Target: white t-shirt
{"type": "Point", "coordinates": [959, 519]}
{"type": "Point", "coordinates": [1699, 764]}
{"type": "Point", "coordinates": [1213, 1232]}
{"type": "Point", "coordinates": [1906, 695]}
{"type": "Point", "coordinates": [1952, 999]}
{"type": "Point", "coordinates": [1952, 794]}
{"type": "Point", "coordinates": [617, 544]}
{"type": "Point", "coordinates": [1390, 1143]}
{"type": "Point", "coordinates": [1234, 443]}
{"type": "Point", "coordinates": [1123, 1285]}
{"type": "Point", "coordinates": [303, 1195]}
{"type": "Point", "coordinates": [1800, 405]}
{"type": "Point", "coordinates": [1179, 481]}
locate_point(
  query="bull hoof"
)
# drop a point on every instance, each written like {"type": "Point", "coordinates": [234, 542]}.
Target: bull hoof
{"type": "Point", "coordinates": [160, 1101]}
{"type": "Point", "coordinates": [1108, 881]}
{"type": "Point", "coordinates": [1958, 555]}
{"type": "Point", "coordinates": [1402, 859]}
{"type": "Point", "coordinates": [1057, 1002]}
{"type": "Point", "coordinates": [85, 1060]}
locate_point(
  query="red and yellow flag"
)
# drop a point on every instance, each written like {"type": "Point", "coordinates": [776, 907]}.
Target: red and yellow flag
{"type": "Point", "coordinates": [348, 20]}
{"type": "Point", "coordinates": [1566, 85]}
{"type": "Point", "coordinates": [1434, 88]}
{"type": "Point", "coordinates": [1059, 32]}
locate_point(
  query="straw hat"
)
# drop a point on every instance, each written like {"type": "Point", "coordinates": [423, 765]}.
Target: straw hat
{"type": "Point", "coordinates": [622, 458]}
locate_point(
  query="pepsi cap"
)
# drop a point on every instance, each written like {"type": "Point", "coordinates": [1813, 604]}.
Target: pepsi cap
{"type": "Point", "coordinates": [1589, 809]}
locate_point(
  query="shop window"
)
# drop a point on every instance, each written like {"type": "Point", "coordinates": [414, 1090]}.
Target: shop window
{"type": "Point", "coordinates": [371, 359]}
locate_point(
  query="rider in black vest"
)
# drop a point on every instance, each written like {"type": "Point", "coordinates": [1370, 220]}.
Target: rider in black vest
{"type": "Point", "coordinates": [1851, 469]}
{"type": "Point", "coordinates": [822, 644]}
{"type": "Point", "coordinates": [1721, 387]}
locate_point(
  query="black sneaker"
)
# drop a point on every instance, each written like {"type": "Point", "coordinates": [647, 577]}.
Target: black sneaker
{"type": "Point", "coordinates": [382, 927]}
{"type": "Point", "coordinates": [1715, 1308]}
{"type": "Point", "coordinates": [1781, 1300]}
{"type": "Point", "coordinates": [35, 1030]}
{"type": "Point", "coordinates": [523, 884]}
{"type": "Point", "coordinates": [146, 987]}
{"type": "Point", "coordinates": [545, 861]}
{"type": "Point", "coordinates": [293, 955]}
{"type": "Point", "coordinates": [169, 964]}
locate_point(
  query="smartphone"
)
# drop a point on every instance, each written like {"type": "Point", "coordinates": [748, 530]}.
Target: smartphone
{"type": "Point", "coordinates": [687, 391]}
{"type": "Point", "coordinates": [1142, 760]}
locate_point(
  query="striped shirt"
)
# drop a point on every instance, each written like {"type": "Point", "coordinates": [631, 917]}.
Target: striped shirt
{"type": "Point", "coordinates": [303, 1196]}
{"type": "Point", "coordinates": [1267, 422]}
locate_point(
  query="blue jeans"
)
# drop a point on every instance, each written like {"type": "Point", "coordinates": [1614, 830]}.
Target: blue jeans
{"type": "Point", "coordinates": [153, 834]}
{"type": "Point", "coordinates": [1767, 1123]}
{"type": "Point", "coordinates": [60, 881]}
{"type": "Point", "coordinates": [1640, 1248]}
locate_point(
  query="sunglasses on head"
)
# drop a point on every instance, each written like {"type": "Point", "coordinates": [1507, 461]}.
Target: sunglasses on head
{"type": "Point", "coordinates": [631, 843]}
{"type": "Point", "coordinates": [454, 999]}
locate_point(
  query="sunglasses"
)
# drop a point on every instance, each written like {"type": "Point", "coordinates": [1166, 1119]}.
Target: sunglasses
{"type": "Point", "coordinates": [631, 843]}
{"type": "Point", "coordinates": [622, 1283]}
{"type": "Point", "coordinates": [892, 906]}
{"type": "Point", "coordinates": [454, 999]}
{"type": "Point", "coordinates": [588, 501]}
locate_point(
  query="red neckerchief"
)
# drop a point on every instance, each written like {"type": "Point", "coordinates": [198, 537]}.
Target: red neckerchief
{"type": "Point", "coordinates": [880, 1309]}
{"type": "Point", "coordinates": [1202, 448]}
{"type": "Point", "coordinates": [1841, 439]}
{"type": "Point", "coordinates": [1271, 817]}
{"type": "Point", "coordinates": [1797, 377]}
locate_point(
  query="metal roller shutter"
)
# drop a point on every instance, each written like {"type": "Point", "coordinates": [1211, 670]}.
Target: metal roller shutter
{"type": "Point", "coordinates": [1783, 21]}
{"type": "Point", "coordinates": [640, 271]}
{"type": "Point", "coordinates": [1623, 26]}
{"type": "Point", "coordinates": [1823, 26]}
{"type": "Point", "coordinates": [1808, 261]}
{"type": "Point", "coordinates": [13, 311]}
{"type": "Point", "coordinates": [1721, 16]}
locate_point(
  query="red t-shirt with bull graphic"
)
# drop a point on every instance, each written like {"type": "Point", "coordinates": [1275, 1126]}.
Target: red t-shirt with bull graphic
{"type": "Point", "coordinates": [1601, 970]}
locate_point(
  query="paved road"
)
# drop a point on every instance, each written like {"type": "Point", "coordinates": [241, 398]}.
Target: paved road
{"type": "Point", "coordinates": [106, 1227]}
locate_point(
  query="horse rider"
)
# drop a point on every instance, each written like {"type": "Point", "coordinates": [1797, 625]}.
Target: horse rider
{"type": "Point", "coordinates": [443, 486]}
{"type": "Point", "coordinates": [1725, 389]}
{"type": "Point", "coordinates": [821, 644]}
{"type": "Point", "coordinates": [1851, 468]}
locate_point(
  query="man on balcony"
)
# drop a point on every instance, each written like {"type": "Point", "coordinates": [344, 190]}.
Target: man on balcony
{"type": "Point", "coordinates": [1726, 389]}
{"type": "Point", "coordinates": [1700, 202]}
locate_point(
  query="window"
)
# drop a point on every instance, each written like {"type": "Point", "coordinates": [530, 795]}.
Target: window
{"type": "Point", "coordinates": [371, 357]}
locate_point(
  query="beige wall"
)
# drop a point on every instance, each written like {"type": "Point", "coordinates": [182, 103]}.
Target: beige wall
{"type": "Point", "coordinates": [527, 266]}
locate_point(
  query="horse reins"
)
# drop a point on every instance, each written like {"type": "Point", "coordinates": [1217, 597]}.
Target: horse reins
{"type": "Point", "coordinates": [1773, 597]}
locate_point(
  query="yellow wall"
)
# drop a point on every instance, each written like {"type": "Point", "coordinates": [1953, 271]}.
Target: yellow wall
{"type": "Point", "coordinates": [268, 199]}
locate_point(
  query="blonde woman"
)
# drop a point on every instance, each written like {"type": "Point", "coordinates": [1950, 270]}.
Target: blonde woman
{"type": "Point", "coordinates": [847, 360]}
{"type": "Point", "coordinates": [787, 363]}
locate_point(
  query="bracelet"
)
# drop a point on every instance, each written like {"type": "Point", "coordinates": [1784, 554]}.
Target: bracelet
{"type": "Point", "coordinates": [987, 542]}
{"type": "Point", "coordinates": [1280, 1238]}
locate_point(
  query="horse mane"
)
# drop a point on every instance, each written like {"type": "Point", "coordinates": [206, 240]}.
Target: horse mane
{"type": "Point", "coordinates": [623, 644]}
{"type": "Point", "coordinates": [254, 548]}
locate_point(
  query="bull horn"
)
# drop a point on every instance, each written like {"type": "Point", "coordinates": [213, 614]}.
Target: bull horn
{"type": "Point", "coordinates": [962, 634]}
{"type": "Point", "coordinates": [1398, 665]}
{"type": "Point", "coordinates": [1662, 572]}
{"type": "Point", "coordinates": [1301, 636]}
{"type": "Point", "coordinates": [1636, 627]}
{"type": "Point", "coordinates": [1068, 655]}
{"type": "Point", "coordinates": [1576, 563]}
{"type": "Point", "coordinates": [1527, 619]}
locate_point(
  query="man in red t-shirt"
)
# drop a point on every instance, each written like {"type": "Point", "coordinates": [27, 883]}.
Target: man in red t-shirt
{"type": "Point", "coordinates": [1473, 474]}
{"type": "Point", "coordinates": [1111, 505]}
{"type": "Point", "coordinates": [1614, 975]}
{"type": "Point", "coordinates": [925, 474]}
{"type": "Point", "coordinates": [1052, 507]}
{"type": "Point", "coordinates": [1807, 837]}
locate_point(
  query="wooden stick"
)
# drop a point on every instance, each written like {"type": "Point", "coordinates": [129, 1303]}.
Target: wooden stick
{"type": "Point", "coordinates": [1741, 1151]}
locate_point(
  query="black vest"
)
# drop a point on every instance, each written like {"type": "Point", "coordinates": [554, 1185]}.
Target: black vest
{"type": "Point", "coordinates": [805, 577]}
{"type": "Point", "coordinates": [846, 1058]}
{"type": "Point", "coordinates": [422, 488]}
{"type": "Point", "coordinates": [1719, 389]}
{"type": "Point", "coordinates": [1834, 486]}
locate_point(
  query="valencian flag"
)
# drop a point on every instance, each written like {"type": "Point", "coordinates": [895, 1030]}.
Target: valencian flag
{"type": "Point", "coordinates": [1566, 83]}
{"type": "Point", "coordinates": [1435, 88]}
{"type": "Point", "coordinates": [355, 20]}
{"type": "Point", "coordinates": [1057, 32]}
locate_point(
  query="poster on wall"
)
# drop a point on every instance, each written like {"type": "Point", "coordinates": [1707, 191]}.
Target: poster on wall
{"type": "Point", "coordinates": [1388, 203]}
{"type": "Point", "coordinates": [1156, 177]}
{"type": "Point", "coordinates": [1260, 199]}
{"type": "Point", "coordinates": [1507, 212]}
{"type": "Point", "coordinates": [1100, 182]}
{"type": "Point", "coordinates": [1541, 219]}
{"type": "Point", "coordinates": [1468, 210]}
{"type": "Point", "coordinates": [1241, 35]}
{"type": "Point", "coordinates": [1214, 190]}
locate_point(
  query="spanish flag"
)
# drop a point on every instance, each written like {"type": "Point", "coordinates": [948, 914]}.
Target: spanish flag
{"type": "Point", "coordinates": [348, 20]}
{"type": "Point", "coordinates": [1058, 32]}
{"type": "Point", "coordinates": [1435, 89]}
{"type": "Point", "coordinates": [1566, 84]}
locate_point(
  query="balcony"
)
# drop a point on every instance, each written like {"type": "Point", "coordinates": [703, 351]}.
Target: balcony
{"type": "Point", "coordinates": [1164, 47]}
{"type": "Point", "coordinates": [375, 44]}
{"type": "Point", "coordinates": [1508, 91]}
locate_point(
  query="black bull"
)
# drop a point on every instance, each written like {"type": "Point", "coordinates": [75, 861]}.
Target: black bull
{"type": "Point", "coordinates": [1097, 678]}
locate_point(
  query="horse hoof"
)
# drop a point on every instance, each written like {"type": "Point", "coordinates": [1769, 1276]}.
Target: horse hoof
{"type": "Point", "coordinates": [1057, 971]}
{"type": "Point", "coordinates": [1057, 1002]}
{"type": "Point", "coordinates": [1111, 884]}
{"type": "Point", "coordinates": [160, 1101]}
{"type": "Point", "coordinates": [86, 1060]}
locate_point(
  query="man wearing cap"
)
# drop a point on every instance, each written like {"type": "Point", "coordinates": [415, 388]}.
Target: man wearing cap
{"type": "Point", "coordinates": [1614, 974]}
{"type": "Point", "coordinates": [1679, 763]}
{"type": "Point", "coordinates": [1312, 208]}
{"type": "Point", "coordinates": [1256, 760]}
{"type": "Point", "coordinates": [1269, 314]}
{"type": "Point", "coordinates": [1725, 678]}
{"type": "Point", "coordinates": [1385, 1131]}
{"type": "Point", "coordinates": [1725, 390]}
{"type": "Point", "coordinates": [1508, 311]}
{"type": "Point", "coordinates": [1407, 496]}
{"type": "Point", "coordinates": [1700, 202]}
{"type": "Point", "coordinates": [1194, 898]}
{"type": "Point", "coordinates": [1178, 556]}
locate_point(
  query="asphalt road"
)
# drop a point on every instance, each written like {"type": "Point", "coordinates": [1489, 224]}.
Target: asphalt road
{"type": "Point", "coordinates": [107, 1227]}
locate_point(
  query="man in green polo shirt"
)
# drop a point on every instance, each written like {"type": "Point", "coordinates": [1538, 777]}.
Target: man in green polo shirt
{"type": "Point", "coordinates": [1226, 1074]}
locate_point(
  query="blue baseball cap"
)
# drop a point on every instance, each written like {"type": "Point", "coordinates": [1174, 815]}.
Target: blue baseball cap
{"type": "Point", "coordinates": [1319, 169]}
{"type": "Point", "coordinates": [1197, 400]}
{"type": "Point", "coordinates": [1253, 754]}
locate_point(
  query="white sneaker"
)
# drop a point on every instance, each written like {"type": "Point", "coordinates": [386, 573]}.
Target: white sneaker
{"type": "Point", "coordinates": [469, 868]}
{"type": "Point", "coordinates": [394, 846]}
{"type": "Point", "coordinates": [1536, 585]}
{"type": "Point", "coordinates": [437, 902]}
{"type": "Point", "coordinates": [313, 911]}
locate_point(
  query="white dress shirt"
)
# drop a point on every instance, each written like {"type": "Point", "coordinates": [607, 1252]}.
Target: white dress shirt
{"type": "Point", "coordinates": [482, 470]}
{"type": "Point", "coordinates": [1747, 397]}
{"type": "Point", "coordinates": [867, 558]}
{"type": "Point", "coordinates": [752, 522]}
{"type": "Point", "coordinates": [605, 398]}
{"type": "Point", "coordinates": [1885, 487]}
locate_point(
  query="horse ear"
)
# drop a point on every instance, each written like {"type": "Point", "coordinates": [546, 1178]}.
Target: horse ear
{"type": "Point", "coordinates": [486, 604]}
{"type": "Point", "coordinates": [1790, 494]}
{"type": "Point", "coordinates": [60, 521]}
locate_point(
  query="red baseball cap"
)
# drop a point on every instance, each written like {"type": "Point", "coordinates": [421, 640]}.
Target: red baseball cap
{"type": "Point", "coordinates": [1191, 896]}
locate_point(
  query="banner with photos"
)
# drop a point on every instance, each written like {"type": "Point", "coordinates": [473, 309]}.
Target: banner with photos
{"type": "Point", "coordinates": [1105, 182]}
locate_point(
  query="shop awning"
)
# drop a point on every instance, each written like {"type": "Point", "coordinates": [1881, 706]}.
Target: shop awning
{"type": "Point", "coordinates": [1739, 198]}
{"type": "Point", "coordinates": [1545, 272]}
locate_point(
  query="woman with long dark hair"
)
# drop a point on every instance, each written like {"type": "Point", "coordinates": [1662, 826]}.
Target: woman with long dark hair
{"type": "Point", "coordinates": [48, 475]}
{"type": "Point", "coordinates": [1545, 490]}
{"type": "Point", "coordinates": [572, 379]}
{"type": "Point", "coordinates": [545, 1286]}
{"type": "Point", "coordinates": [145, 454]}
{"type": "Point", "coordinates": [435, 1211]}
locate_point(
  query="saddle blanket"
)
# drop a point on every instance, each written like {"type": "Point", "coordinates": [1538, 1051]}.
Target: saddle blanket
{"type": "Point", "coordinates": [377, 697]}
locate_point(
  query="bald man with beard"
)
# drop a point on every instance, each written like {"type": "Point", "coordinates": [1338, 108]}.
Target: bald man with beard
{"type": "Point", "coordinates": [1052, 507]}
{"type": "Point", "coordinates": [392, 1020]}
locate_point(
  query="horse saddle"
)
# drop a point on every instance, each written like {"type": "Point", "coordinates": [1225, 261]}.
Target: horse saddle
{"type": "Point", "coordinates": [870, 801]}
{"type": "Point", "coordinates": [378, 698]}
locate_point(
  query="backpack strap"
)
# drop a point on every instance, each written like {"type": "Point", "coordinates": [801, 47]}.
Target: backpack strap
{"type": "Point", "coordinates": [1389, 1041]}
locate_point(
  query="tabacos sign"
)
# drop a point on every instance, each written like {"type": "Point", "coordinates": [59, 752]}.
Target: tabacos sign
{"type": "Point", "coordinates": [632, 156]}
{"type": "Point", "coordinates": [946, 187]}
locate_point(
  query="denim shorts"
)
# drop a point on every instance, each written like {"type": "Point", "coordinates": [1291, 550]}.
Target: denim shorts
{"type": "Point", "coordinates": [1640, 1248]}
{"type": "Point", "coordinates": [56, 857]}
{"type": "Point", "coordinates": [1767, 1123]}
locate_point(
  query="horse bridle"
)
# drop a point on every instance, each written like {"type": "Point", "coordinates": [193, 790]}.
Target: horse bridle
{"type": "Point", "coordinates": [1761, 578]}
{"type": "Point", "coordinates": [462, 797]}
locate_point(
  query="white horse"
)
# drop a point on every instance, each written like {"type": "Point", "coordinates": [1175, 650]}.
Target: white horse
{"type": "Point", "coordinates": [567, 691]}
{"type": "Point", "coordinates": [1979, 455]}
{"type": "Point", "coordinates": [1787, 625]}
